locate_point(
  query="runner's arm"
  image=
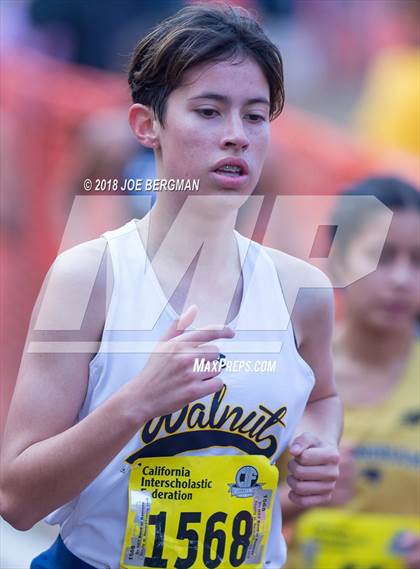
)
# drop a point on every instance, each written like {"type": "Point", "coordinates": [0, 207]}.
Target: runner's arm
{"type": "Point", "coordinates": [313, 469]}
{"type": "Point", "coordinates": [313, 319]}
{"type": "Point", "coordinates": [47, 457]}
{"type": "Point", "coordinates": [309, 297]}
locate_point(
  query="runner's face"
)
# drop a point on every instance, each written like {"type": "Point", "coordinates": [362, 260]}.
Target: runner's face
{"type": "Point", "coordinates": [388, 298]}
{"type": "Point", "coordinates": [218, 118]}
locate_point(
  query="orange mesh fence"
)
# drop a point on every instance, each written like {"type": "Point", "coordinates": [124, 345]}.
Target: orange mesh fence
{"type": "Point", "coordinates": [42, 102]}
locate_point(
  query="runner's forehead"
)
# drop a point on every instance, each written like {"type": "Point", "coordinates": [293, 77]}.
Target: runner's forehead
{"type": "Point", "coordinates": [226, 99]}
{"type": "Point", "coordinates": [225, 81]}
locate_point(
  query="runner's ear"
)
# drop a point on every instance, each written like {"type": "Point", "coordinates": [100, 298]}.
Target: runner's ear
{"type": "Point", "coordinates": [142, 121]}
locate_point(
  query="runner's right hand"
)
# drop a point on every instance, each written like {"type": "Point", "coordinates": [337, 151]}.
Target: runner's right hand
{"type": "Point", "coordinates": [168, 381]}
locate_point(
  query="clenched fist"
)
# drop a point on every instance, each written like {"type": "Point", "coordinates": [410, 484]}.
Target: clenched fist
{"type": "Point", "coordinates": [313, 470]}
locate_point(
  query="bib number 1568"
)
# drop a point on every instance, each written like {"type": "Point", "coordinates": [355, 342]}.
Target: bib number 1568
{"type": "Point", "coordinates": [214, 543]}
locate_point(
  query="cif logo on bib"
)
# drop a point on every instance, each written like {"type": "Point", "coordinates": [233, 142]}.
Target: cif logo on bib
{"type": "Point", "coordinates": [245, 482]}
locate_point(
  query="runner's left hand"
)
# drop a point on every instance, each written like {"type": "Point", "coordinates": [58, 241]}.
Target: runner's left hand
{"type": "Point", "coordinates": [313, 470]}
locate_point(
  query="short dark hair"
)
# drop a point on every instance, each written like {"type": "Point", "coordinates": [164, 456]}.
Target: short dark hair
{"type": "Point", "coordinates": [198, 34]}
{"type": "Point", "coordinates": [351, 217]}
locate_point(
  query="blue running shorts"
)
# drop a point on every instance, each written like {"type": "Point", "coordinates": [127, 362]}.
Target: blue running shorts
{"type": "Point", "coordinates": [58, 557]}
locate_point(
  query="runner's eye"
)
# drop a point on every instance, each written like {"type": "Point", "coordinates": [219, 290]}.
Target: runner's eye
{"type": "Point", "coordinates": [207, 113]}
{"type": "Point", "coordinates": [253, 117]}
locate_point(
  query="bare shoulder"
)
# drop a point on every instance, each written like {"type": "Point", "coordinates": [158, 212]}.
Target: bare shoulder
{"type": "Point", "coordinates": [294, 270]}
{"type": "Point", "coordinates": [309, 296]}
{"type": "Point", "coordinates": [77, 262]}
{"type": "Point", "coordinates": [80, 268]}
{"type": "Point", "coordinates": [307, 291]}
{"type": "Point", "coordinates": [53, 378]}
{"type": "Point", "coordinates": [78, 283]}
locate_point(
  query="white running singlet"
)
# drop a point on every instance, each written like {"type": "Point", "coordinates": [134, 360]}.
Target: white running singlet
{"type": "Point", "coordinates": [241, 422]}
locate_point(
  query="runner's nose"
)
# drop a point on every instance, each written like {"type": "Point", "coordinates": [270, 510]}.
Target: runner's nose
{"type": "Point", "coordinates": [235, 135]}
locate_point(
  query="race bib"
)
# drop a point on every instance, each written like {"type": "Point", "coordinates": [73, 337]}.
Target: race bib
{"type": "Point", "coordinates": [348, 540]}
{"type": "Point", "coordinates": [199, 512]}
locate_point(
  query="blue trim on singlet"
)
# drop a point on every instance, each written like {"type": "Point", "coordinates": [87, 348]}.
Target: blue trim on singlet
{"type": "Point", "coordinates": [58, 557]}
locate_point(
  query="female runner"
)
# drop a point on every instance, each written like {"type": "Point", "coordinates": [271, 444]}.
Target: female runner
{"type": "Point", "coordinates": [155, 447]}
{"type": "Point", "coordinates": [376, 356]}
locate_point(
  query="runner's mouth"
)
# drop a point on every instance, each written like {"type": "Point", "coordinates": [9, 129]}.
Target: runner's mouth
{"type": "Point", "coordinates": [232, 167]}
{"type": "Point", "coordinates": [232, 171]}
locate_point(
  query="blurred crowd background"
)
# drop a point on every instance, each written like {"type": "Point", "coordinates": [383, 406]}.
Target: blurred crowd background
{"type": "Point", "coordinates": [352, 70]}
